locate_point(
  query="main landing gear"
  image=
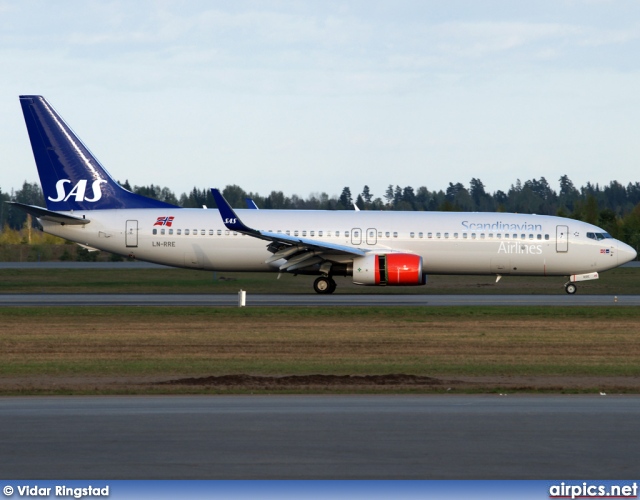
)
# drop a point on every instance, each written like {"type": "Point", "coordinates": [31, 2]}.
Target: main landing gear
{"type": "Point", "coordinates": [570, 288]}
{"type": "Point", "coordinates": [324, 284]}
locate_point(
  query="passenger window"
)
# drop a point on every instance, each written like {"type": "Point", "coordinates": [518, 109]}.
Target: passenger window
{"type": "Point", "coordinates": [412, 235]}
{"type": "Point", "coordinates": [546, 236]}
{"type": "Point", "coordinates": [203, 232]}
{"type": "Point", "coordinates": [288, 232]}
{"type": "Point", "coordinates": [387, 234]}
{"type": "Point", "coordinates": [499, 236]}
{"type": "Point", "coordinates": [312, 233]}
{"type": "Point", "coordinates": [429, 235]}
{"type": "Point", "coordinates": [531, 236]}
{"type": "Point", "coordinates": [490, 235]}
{"type": "Point", "coordinates": [226, 232]}
{"type": "Point", "coordinates": [304, 233]}
{"type": "Point", "coordinates": [170, 231]}
{"type": "Point", "coordinates": [464, 236]}
{"type": "Point", "coordinates": [446, 235]}
{"type": "Point", "coordinates": [437, 235]}
{"type": "Point", "coordinates": [162, 231]}
{"type": "Point", "coordinates": [320, 234]}
{"type": "Point", "coordinates": [178, 231]}
{"type": "Point", "coordinates": [523, 236]}
{"type": "Point", "coordinates": [395, 234]}
{"type": "Point", "coordinates": [235, 234]}
{"type": "Point", "coordinates": [346, 234]}
{"type": "Point", "coordinates": [455, 235]}
{"type": "Point", "coordinates": [186, 232]}
{"type": "Point", "coordinates": [473, 236]}
{"type": "Point", "coordinates": [482, 236]}
{"type": "Point", "coordinates": [420, 235]}
{"type": "Point", "coordinates": [155, 231]}
{"type": "Point", "coordinates": [337, 234]}
{"type": "Point", "coordinates": [219, 232]}
{"type": "Point", "coordinates": [210, 232]}
{"type": "Point", "coordinates": [539, 236]}
{"type": "Point", "coordinates": [195, 232]}
{"type": "Point", "coordinates": [295, 233]}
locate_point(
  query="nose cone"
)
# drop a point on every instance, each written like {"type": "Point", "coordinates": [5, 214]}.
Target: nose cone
{"type": "Point", "coordinates": [625, 253]}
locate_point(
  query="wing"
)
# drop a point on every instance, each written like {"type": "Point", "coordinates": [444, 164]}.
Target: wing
{"type": "Point", "coordinates": [298, 252]}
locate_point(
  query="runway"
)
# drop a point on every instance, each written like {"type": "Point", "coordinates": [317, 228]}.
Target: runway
{"type": "Point", "coordinates": [313, 300]}
{"type": "Point", "coordinates": [318, 437]}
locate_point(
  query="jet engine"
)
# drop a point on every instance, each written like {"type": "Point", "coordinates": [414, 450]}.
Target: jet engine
{"type": "Point", "coordinates": [391, 269]}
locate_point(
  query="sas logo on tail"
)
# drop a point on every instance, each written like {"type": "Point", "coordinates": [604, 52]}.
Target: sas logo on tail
{"type": "Point", "coordinates": [78, 191]}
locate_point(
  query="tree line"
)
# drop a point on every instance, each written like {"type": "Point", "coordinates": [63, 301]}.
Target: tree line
{"type": "Point", "coordinates": [614, 207]}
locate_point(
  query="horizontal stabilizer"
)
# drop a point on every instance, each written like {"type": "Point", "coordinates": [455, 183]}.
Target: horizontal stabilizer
{"type": "Point", "coordinates": [44, 214]}
{"type": "Point", "coordinates": [88, 248]}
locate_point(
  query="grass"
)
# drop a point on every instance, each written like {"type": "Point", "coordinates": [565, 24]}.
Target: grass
{"type": "Point", "coordinates": [45, 343]}
{"type": "Point", "coordinates": [104, 350]}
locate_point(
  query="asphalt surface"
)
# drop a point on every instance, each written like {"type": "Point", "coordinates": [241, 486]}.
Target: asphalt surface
{"type": "Point", "coordinates": [271, 300]}
{"type": "Point", "coordinates": [123, 265]}
{"type": "Point", "coordinates": [302, 437]}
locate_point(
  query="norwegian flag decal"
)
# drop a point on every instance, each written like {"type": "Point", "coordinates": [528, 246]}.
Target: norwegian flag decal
{"type": "Point", "coordinates": [164, 221]}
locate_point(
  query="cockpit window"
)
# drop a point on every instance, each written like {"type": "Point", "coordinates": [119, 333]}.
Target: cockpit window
{"type": "Point", "coordinates": [599, 236]}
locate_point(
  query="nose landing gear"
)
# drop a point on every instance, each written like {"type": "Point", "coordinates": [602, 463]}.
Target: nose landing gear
{"type": "Point", "coordinates": [570, 288]}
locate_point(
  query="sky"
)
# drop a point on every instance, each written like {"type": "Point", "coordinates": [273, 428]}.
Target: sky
{"type": "Point", "coordinates": [311, 96]}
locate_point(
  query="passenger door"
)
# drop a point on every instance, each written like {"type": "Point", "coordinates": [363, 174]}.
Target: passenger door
{"type": "Point", "coordinates": [131, 233]}
{"type": "Point", "coordinates": [562, 238]}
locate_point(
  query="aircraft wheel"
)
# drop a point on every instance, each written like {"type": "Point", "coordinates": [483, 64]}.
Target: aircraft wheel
{"type": "Point", "coordinates": [324, 284]}
{"type": "Point", "coordinates": [570, 288]}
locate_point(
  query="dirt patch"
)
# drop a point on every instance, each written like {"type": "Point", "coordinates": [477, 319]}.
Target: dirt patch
{"type": "Point", "coordinates": [308, 380]}
{"type": "Point", "coordinates": [317, 384]}
{"type": "Point", "coordinates": [403, 381]}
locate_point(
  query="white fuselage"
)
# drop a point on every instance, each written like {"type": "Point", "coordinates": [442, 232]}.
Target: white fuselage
{"type": "Point", "coordinates": [448, 242]}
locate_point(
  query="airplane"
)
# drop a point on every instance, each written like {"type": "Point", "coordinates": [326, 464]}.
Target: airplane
{"type": "Point", "coordinates": [86, 205]}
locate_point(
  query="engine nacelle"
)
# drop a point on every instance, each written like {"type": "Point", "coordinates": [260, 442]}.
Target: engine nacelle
{"type": "Point", "coordinates": [392, 269]}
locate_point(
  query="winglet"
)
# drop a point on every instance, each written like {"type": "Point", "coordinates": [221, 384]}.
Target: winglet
{"type": "Point", "coordinates": [229, 217]}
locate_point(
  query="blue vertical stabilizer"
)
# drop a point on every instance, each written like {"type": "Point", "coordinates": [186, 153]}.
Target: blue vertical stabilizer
{"type": "Point", "coordinates": [71, 177]}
